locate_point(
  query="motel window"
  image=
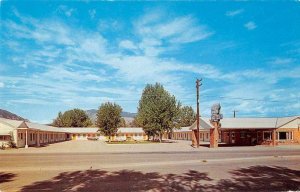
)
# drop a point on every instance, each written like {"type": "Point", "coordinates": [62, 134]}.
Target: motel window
{"type": "Point", "coordinates": [4, 137]}
{"type": "Point", "coordinates": [285, 135]}
{"type": "Point", "coordinates": [243, 134]}
{"type": "Point", "coordinates": [206, 135]}
{"type": "Point", "coordinates": [267, 135]}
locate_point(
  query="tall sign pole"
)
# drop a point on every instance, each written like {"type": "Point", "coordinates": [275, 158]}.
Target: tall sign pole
{"type": "Point", "coordinates": [198, 84]}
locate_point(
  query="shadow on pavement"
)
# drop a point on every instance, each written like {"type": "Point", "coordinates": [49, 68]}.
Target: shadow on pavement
{"type": "Point", "coordinates": [262, 178]}
{"type": "Point", "coordinates": [6, 177]}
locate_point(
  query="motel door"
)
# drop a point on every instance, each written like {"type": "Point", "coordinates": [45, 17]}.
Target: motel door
{"type": "Point", "coordinates": [226, 137]}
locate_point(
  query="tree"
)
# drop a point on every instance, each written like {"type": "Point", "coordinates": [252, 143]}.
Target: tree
{"type": "Point", "coordinates": [187, 116]}
{"type": "Point", "coordinates": [134, 123]}
{"type": "Point", "coordinates": [122, 123]}
{"type": "Point", "coordinates": [72, 118]}
{"type": "Point", "coordinates": [109, 118]}
{"type": "Point", "coordinates": [158, 111]}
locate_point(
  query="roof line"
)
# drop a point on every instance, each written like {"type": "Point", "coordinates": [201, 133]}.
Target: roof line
{"type": "Point", "coordinates": [8, 124]}
{"type": "Point", "coordinates": [289, 121]}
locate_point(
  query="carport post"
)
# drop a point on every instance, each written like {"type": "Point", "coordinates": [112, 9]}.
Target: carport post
{"type": "Point", "coordinates": [38, 139]}
{"type": "Point", "coordinates": [26, 139]}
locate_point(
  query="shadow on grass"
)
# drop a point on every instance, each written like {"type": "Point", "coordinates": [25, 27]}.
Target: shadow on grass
{"type": "Point", "coordinates": [6, 177]}
{"type": "Point", "coordinates": [262, 178]}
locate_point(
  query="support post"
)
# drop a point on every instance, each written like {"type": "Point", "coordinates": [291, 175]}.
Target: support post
{"type": "Point", "coordinates": [38, 139]}
{"type": "Point", "coordinates": [273, 137]}
{"type": "Point", "coordinates": [26, 138]}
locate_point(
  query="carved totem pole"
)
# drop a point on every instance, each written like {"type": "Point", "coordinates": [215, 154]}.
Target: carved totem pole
{"type": "Point", "coordinates": [216, 116]}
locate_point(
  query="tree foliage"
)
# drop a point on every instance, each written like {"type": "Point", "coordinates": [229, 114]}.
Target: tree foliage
{"type": "Point", "coordinates": [122, 123]}
{"type": "Point", "coordinates": [158, 111]}
{"type": "Point", "coordinates": [109, 118]}
{"type": "Point", "coordinates": [72, 118]}
{"type": "Point", "coordinates": [187, 116]}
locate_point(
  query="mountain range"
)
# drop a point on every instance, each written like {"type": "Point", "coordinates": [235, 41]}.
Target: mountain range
{"type": "Point", "coordinates": [92, 113]}
{"type": "Point", "coordinates": [9, 115]}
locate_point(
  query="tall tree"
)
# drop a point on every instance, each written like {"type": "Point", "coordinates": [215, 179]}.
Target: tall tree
{"type": "Point", "coordinates": [109, 118]}
{"type": "Point", "coordinates": [187, 116]}
{"type": "Point", "coordinates": [158, 111]}
{"type": "Point", "coordinates": [72, 118]}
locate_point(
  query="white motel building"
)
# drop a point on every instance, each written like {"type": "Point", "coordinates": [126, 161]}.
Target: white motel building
{"type": "Point", "coordinates": [27, 134]}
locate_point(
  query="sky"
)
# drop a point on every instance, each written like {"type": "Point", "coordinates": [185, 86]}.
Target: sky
{"type": "Point", "coordinates": [59, 55]}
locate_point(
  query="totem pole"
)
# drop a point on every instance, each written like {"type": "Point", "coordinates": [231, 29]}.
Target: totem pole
{"type": "Point", "coordinates": [216, 116]}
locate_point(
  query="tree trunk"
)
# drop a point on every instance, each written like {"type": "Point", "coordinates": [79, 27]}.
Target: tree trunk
{"type": "Point", "coordinates": [160, 136]}
{"type": "Point", "coordinates": [109, 138]}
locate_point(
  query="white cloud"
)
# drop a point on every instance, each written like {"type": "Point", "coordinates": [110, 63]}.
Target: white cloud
{"type": "Point", "coordinates": [127, 44]}
{"type": "Point", "coordinates": [183, 29]}
{"type": "Point", "coordinates": [250, 25]}
{"type": "Point", "coordinates": [281, 61]}
{"type": "Point", "coordinates": [1, 84]}
{"type": "Point", "coordinates": [234, 12]}
{"type": "Point", "coordinates": [109, 24]}
{"type": "Point", "coordinates": [67, 11]}
{"type": "Point", "coordinates": [92, 13]}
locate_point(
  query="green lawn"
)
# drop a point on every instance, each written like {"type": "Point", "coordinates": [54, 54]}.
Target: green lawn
{"type": "Point", "coordinates": [130, 142]}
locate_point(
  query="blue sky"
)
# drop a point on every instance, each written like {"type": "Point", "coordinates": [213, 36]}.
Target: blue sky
{"type": "Point", "coordinates": [58, 55]}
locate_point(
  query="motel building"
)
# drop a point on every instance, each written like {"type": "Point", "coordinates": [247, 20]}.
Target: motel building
{"type": "Point", "coordinates": [244, 131]}
{"type": "Point", "coordinates": [233, 131]}
{"type": "Point", "coordinates": [123, 134]}
{"type": "Point", "coordinates": [26, 134]}
{"type": "Point", "coordinates": [251, 131]}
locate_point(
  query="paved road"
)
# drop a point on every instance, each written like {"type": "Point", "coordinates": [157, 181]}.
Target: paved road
{"type": "Point", "coordinates": [232, 169]}
{"type": "Point", "coordinates": [10, 162]}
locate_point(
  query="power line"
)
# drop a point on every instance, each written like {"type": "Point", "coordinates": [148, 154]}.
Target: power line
{"type": "Point", "coordinates": [191, 99]}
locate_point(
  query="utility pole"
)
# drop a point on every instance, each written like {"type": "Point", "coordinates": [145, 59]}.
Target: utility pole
{"type": "Point", "coordinates": [234, 113]}
{"type": "Point", "coordinates": [198, 84]}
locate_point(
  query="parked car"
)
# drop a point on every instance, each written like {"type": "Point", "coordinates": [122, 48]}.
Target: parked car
{"type": "Point", "coordinates": [93, 138]}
